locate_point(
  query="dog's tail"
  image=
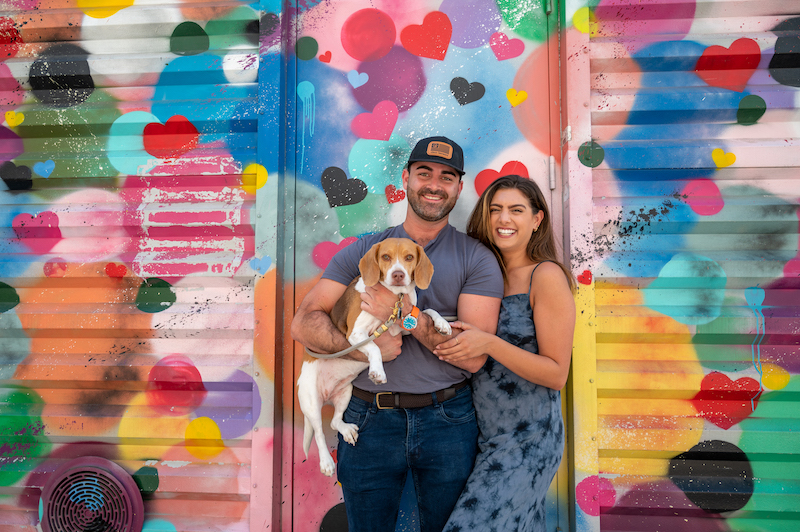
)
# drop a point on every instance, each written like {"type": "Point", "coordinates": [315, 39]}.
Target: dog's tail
{"type": "Point", "coordinates": [308, 434]}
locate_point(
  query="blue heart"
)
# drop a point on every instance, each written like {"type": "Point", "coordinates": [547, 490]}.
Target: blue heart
{"type": "Point", "coordinates": [261, 265]}
{"type": "Point", "coordinates": [356, 79]}
{"type": "Point", "coordinates": [44, 169]}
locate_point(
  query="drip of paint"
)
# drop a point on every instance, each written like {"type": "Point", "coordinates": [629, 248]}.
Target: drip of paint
{"type": "Point", "coordinates": [755, 298]}
{"type": "Point", "coordinates": [305, 90]}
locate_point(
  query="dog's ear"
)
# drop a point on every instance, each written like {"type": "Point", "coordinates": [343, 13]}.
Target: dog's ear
{"type": "Point", "coordinates": [424, 270]}
{"type": "Point", "coordinates": [368, 266]}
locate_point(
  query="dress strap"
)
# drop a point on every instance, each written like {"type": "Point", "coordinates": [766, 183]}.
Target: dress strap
{"type": "Point", "coordinates": [530, 282]}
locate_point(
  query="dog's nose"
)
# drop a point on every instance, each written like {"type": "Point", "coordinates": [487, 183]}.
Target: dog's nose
{"type": "Point", "coordinates": [398, 277]}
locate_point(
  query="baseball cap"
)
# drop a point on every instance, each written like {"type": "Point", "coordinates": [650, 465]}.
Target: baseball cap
{"type": "Point", "coordinates": [438, 150]}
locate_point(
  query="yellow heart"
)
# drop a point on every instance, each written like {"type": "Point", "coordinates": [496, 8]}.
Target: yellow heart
{"type": "Point", "coordinates": [516, 98]}
{"type": "Point", "coordinates": [102, 8]}
{"type": "Point", "coordinates": [14, 119]}
{"type": "Point", "coordinates": [254, 177]}
{"type": "Point", "coordinates": [722, 159]}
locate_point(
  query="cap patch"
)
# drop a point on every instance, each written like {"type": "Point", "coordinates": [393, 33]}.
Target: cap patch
{"type": "Point", "coordinates": [440, 149]}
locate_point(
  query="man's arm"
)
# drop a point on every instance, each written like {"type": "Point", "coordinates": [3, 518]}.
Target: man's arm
{"type": "Point", "coordinates": [312, 325]}
{"type": "Point", "coordinates": [481, 311]}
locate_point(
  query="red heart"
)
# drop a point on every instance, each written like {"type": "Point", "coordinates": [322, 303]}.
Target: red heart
{"type": "Point", "coordinates": [326, 57]}
{"type": "Point", "coordinates": [40, 232]}
{"type": "Point", "coordinates": [393, 195]}
{"type": "Point", "coordinates": [431, 38]}
{"type": "Point", "coordinates": [324, 251]}
{"type": "Point", "coordinates": [115, 270]}
{"type": "Point", "coordinates": [585, 277]}
{"type": "Point", "coordinates": [487, 177]}
{"type": "Point", "coordinates": [724, 402]}
{"type": "Point", "coordinates": [172, 139]}
{"type": "Point", "coordinates": [729, 68]}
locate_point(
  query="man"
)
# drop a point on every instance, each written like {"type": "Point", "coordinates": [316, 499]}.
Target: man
{"type": "Point", "coordinates": [422, 420]}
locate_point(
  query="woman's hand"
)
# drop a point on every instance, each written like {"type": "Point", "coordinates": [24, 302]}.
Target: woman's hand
{"type": "Point", "coordinates": [470, 343]}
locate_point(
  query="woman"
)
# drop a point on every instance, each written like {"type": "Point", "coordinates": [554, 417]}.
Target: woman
{"type": "Point", "coordinates": [517, 392]}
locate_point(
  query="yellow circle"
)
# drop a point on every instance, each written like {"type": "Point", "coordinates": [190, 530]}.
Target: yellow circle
{"type": "Point", "coordinates": [254, 177]}
{"type": "Point", "coordinates": [774, 377]}
{"type": "Point", "coordinates": [102, 8]}
{"type": "Point", "coordinates": [585, 21]}
{"type": "Point", "coordinates": [203, 438]}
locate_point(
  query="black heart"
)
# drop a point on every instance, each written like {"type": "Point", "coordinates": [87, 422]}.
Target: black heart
{"type": "Point", "coordinates": [16, 177]}
{"type": "Point", "coordinates": [340, 190]}
{"type": "Point", "coordinates": [466, 92]}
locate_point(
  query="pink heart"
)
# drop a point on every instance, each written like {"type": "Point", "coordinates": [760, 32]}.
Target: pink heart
{"type": "Point", "coordinates": [505, 48]}
{"type": "Point", "coordinates": [40, 232]}
{"type": "Point", "coordinates": [377, 125]}
{"type": "Point", "coordinates": [324, 251]}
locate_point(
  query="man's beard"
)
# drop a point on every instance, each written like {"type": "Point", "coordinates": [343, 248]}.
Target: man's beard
{"type": "Point", "coordinates": [430, 213]}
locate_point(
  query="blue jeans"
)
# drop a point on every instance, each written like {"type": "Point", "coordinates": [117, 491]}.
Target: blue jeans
{"type": "Point", "coordinates": [436, 443]}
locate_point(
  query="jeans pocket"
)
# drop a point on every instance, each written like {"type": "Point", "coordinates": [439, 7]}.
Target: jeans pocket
{"type": "Point", "coordinates": [357, 414]}
{"type": "Point", "coordinates": [459, 409]}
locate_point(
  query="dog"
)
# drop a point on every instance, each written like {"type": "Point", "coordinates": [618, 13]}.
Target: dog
{"type": "Point", "coordinates": [400, 265]}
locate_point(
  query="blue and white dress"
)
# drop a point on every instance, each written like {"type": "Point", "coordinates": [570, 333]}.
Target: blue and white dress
{"type": "Point", "coordinates": [521, 438]}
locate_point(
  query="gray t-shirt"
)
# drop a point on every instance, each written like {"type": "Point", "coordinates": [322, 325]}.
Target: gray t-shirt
{"type": "Point", "coordinates": [462, 265]}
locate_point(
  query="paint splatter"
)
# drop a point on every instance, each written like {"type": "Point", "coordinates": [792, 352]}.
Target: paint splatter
{"type": "Point", "coordinates": [305, 90]}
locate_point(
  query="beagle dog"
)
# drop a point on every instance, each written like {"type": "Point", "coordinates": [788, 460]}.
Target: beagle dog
{"type": "Point", "coordinates": [400, 265]}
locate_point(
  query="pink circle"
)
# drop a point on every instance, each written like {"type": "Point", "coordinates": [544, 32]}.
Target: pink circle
{"type": "Point", "coordinates": [594, 493]}
{"type": "Point", "coordinates": [174, 386]}
{"type": "Point", "coordinates": [703, 196]}
{"type": "Point", "coordinates": [368, 34]}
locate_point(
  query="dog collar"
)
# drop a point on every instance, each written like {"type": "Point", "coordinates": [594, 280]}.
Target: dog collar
{"type": "Point", "coordinates": [410, 321]}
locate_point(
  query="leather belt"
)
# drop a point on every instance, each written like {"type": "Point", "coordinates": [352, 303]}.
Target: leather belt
{"type": "Point", "coordinates": [386, 400]}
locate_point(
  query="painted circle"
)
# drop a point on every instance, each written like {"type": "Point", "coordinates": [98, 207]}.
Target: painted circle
{"type": "Point", "coordinates": [594, 493]}
{"type": "Point", "coordinates": [155, 295]}
{"type": "Point", "coordinates": [751, 108]}
{"type": "Point", "coordinates": [368, 34]}
{"type": "Point", "coordinates": [591, 154]}
{"type": "Point", "coordinates": [703, 196]}
{"type": "Point", "coordinates": [398, 76]}
{"type": "Point", "coordinates": [188, 38]}
{"type": "Point", "coordinates": [174, 386]}
{"type": "Point", "coordinates": [306, 48]}
{"type": "Point", "coordinates": [774, 377]}
{"type": "Point", "coordinates": [60, 77]}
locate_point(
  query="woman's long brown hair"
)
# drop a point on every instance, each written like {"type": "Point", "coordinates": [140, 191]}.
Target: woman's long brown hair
{"type": "Point", "coordinates": [542, 245]}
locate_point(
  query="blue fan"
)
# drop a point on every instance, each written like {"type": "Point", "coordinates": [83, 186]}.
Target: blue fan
{"type": "Point", "coordinates": [91, 494]}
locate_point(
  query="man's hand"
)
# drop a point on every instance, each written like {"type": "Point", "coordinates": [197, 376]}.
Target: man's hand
{"type": "Point", "coordinates": [379, 301]}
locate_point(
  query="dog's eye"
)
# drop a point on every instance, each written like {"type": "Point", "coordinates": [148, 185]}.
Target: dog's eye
{"type": "Point", "coordinates": [409, 258]}
{"type": "Point", "coordinates": [385, 257]}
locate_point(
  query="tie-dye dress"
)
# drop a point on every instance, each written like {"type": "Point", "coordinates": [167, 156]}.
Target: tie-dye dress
{"type": "Point", "coordinates": [521, 439]}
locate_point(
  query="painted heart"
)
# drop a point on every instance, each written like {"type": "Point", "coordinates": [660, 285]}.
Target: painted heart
{"type": "Point", "coordinates": [357, 78]}
{"type": "Point", "coordinates": [13, 118]}
{"type": "Point", "coordinates": [261, 265]}
{"type": "Point", "coordinates": [45, 168]}
{"type": "Point", "coordinates": [116, 270]}
{"type": "Point", "coordinates": [505, 48]}
{"type": "Point", "coordinates": [40, 232]}
{"type": "Point", "coordinates": [722, 159]}
{"type": "Point", "coordinates": [585, 277]}
{"type": "Point", "coordinates": [515, 98]}
{"type": "Point", "coordinates": [56, 267]}
{"type": "Point", "coordinates": [326, 57]}
{"type": "Point", "coordinates": [377, 125]}
{"type": "Point", "coordinates": [725, 402]}
{"type": "Point", "coordinates": [729, 68]}
{"type": "Point", "coordinates": [487, 177]}
{"type": "Point", "coordinates": [172, 139]}
{"type": "Point", "coordinates": [324, 251]}
{"type": "Point", "coordinates": [393, 195]}
{"type": "Point", "coordinates": [431, 38]}
{"type": "Point", "coordinates": [16, 177]}
{"type": "Point", "coordinates": [340, 190]}
{"type": "Point", "coordinates": [466, 92]}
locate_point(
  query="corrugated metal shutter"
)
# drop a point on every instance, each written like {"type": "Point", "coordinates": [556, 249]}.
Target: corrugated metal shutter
{"type": "Point", "coordinates": [690, 264]}
{"type": "Point", "coordinates": [128, 292]}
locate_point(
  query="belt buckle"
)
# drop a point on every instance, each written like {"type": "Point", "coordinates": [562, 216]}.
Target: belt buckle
{"type": "Point", "coordinates": [378, 401]}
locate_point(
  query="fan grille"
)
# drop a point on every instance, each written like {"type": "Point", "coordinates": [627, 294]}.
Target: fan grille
{"type": "Point", "coordinates": [98, 496]}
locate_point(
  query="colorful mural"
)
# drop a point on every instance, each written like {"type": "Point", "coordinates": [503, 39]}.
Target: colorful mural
{"type": "Point", "coordinates": [176, 177]}
{"type": "Point", "coordinates": [686, 361]}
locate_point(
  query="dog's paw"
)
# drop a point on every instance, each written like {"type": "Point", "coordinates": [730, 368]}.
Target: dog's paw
{"type": "Point", "coordinates": [378, 377]}
{"type": "Point", "coordinates": [442, 326]}
{"type": "Point", "coordinates": [326, 466]}
{"type": "Point", "coordinates": [349, 432]}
